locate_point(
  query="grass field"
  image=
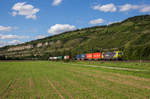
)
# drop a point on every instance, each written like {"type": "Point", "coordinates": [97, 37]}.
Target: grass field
{"type": "Point", "coordinates": [74, 80]}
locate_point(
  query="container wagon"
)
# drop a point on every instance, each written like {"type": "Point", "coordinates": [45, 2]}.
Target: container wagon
{"type": "Point", "coordinates": [107, 55]}
{"type": "Point", "coordinates": [67, 57]}
{"type": "Point", "coordinates": [83, 57]}
{"type": "Point", "coordinates": [97, 56]}
{"type": "Point", "coordinates": [60, 57]}
{"type": "Point", "coordinates": [89, 56]}
{"type": "Point", "coordinates": [78, 57]}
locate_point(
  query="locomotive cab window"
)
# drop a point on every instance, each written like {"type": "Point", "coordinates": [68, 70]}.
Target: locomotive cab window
{"type": "Point", "coordinates": [120, 53]}
{"type": "Point", "coordinates": [114, 54]}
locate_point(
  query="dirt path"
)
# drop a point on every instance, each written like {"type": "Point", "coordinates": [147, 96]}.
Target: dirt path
{"type": "Point", "coordinates": [62, 97]}
{"type": "Point", "coordinates": [37, 95]}
{"type": "Point", "coordinates": [108, 67]}
{"type": "Point", "coordinates": [65, 91]}
{"type": "Point", "coordinates": [9, 86]}
{"type": "Point", "coordinates": [31, 86]}
{"type": "Point", "coordinates": [5, 90]}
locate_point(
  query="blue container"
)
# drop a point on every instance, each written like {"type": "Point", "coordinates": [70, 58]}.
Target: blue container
{"type": "Point", "coordinates": [78, 57]}
{"type": "Point", "coordinates": [83, 56]}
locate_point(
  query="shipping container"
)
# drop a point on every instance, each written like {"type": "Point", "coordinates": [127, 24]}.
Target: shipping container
{"type": "Point", "coordinates": [66, 57]}
{"type": "Point", "coordinates": [89, 56]}
{"type": "Point", "coordinates": [97, 56]}
{"type": "Point", "coordinates": [78, 57]}
{"type": "Point", "coordinates": [60, 57]}
{"type": "Point", "coordinates": [83, 56]}
{"type": "Point", "coordinates": [50, 58]}
{"type": "Point", "coordinates": [108, 55]}
{"type": "Point", "coordinates": [55, 58]}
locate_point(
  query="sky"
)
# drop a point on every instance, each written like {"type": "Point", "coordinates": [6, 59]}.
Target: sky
{"type": "Point", "coordinates": [25, 20]}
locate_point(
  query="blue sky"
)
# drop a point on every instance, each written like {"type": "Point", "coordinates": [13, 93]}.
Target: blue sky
{"type": "Point", "coordinates": [26, 20]}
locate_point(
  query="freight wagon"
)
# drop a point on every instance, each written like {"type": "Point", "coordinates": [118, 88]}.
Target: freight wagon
{"type": "Point", "coordinates": [67, 57]}
{"type": "Point", "coordinates": [60, 57]}
{"type": "Point", "coordinates": [78, 57]}
{"type": "Point", "coordinates": [94, 56]}
{"type": "Point", "coordinates": [83, 57]}
{"type": "Point", "coordinates": [97, 56]}
{"type": "Point", "coordinates": [89, 56]}
{"type": "Point", "coordinates": [52, 58]}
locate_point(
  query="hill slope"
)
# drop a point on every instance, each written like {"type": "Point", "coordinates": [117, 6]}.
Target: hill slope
{"type": "Point", "coordinates": [132, 36]}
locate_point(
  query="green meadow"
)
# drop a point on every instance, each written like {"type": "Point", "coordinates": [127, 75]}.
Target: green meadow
{"type": "Point", "coordinates": [74, 80]}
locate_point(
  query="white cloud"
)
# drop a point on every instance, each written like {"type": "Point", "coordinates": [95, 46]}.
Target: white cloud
{"type": "Point", "coordinates": [24, 9]}
{"type": "Point", "coordinates": [13, 42]}
{"type": "Point", "coordinates": [14, 13]}
{"type": "Point", "coordinates": [60, 28]}
{"type": "Point", "coordinates": [106, 8]}
{"type": "Point", "coordinates": [5, 28]}
{"type": "Point", "coordinates": [145, 8]}
{"type": "Point", "coordinates": [128, 7]}
{"type": "Point", "coordinates": [12, 37]}
{"type": "Point", "coordinates": [141, 8]}
{"type": "Point", "coordinates": [97, 21]}
{"type": "Point", "coordinates": [56, 2]}
{"type": "Point", "coordinates": [40, 36]}
{"type": "Point", "coordinates": [122, 8]}
{"type": "Point", "coordinates": [2, 43]}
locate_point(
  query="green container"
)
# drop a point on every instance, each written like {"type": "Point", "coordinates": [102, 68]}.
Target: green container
{"type": "Point", "coordinates": [60, 57]}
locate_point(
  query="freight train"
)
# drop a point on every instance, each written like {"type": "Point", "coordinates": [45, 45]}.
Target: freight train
{"type": "Point", "coordinates": [115, 55]}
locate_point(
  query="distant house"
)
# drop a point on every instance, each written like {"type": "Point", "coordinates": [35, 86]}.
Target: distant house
{"type": "Point", "coordinates": [18, 48]}
{"type": "Point", "coordinates": [39, 45]}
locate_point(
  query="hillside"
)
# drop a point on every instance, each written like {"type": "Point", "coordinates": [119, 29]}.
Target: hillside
{"type": "Point", "coordinates": [131, 36]}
